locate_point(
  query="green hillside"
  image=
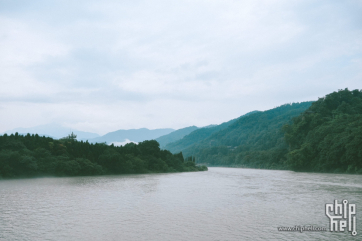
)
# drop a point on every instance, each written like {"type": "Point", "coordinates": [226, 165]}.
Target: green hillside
{"type": "Point", "coordinates": [175, 136]}
{"type": "Point", "coordinates": [320, 136]}
{"type": "Point", "coordinates": [328, 136]}
{"type": "Point", "coordinates": [199, 135]}
{"type": "Point", "coordinates": [255, 140]}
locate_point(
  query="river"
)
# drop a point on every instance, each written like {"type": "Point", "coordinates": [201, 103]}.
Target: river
{"type": "Point", "coordinates": [220, 204]}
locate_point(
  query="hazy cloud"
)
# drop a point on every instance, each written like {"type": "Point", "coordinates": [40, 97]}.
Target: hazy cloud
{"type": "Point", "coordinates": [101, 66]}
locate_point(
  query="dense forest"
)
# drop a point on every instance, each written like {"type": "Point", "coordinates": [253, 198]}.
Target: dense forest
{"type": "Point", "coordinates": [33, 155]}
{"type": "Point", "coordinates": [328, 136]}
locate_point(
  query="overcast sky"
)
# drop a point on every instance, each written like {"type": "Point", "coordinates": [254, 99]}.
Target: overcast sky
{"type": "Point", "coordinates": [101, 66]}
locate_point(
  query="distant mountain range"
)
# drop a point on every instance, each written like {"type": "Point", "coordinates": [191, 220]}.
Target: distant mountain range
{"type": "Point", "coordinates": [169, 139]}
{"type": "Point", "coordinates": [134, 135]}
{"type": "Point", "coordinates": [185, 139]}
{"type": "Point", "coordinates": [253, 140]}
{"type": "Point", "coordinates": [53, 130]}
{"type": "Point", "coordinates": [322, 136]}
{"type": "Point", "coordinates": [120, 136]}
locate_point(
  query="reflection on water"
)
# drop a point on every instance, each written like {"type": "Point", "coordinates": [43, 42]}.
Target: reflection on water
{"type": "Point", "coordinates": [221, 204]}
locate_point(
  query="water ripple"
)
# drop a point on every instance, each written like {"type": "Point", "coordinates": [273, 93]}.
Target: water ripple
{"type": "Point", "coordinates": [221, 204]}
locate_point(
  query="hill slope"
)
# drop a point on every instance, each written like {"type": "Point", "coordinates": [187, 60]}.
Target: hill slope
{"type": "Point", "coordinates": [255, 140]}
{"type": "Point", "coordinates": [174, 136]}
{"type": "Point", "coordinates": [136, 135]}
{"type": "Point", "coordinates": [199, 135]}
{"type": "Point", "coordinates": [328, 136]}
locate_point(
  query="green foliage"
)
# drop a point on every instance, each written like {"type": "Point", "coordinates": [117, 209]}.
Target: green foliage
{"type": "Point", "coordinates": [71, 136]}
{"type": "Point", "coordinates": [199, 135]}
{"type": "Point", "coordinates": [328, 136]}
{"type": "Point", "coordinates": [320, 136]}
{"type": "Point", "coordinates": [190, 164]}
{"type": "Point", "coordinates": [32, 155]}
{"type": "Point", "coordinates": [254, 140]}
{"type": "Point", "coordinates": [175, 136]}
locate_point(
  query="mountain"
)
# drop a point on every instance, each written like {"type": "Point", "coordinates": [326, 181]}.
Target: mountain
{"type": "Point", "coordinates": [328, 136]}
{"type": "Point", "coordinates": [253, 140]}
{"type": "Point", "coordinates": [53, 130]}
{"type": "Point", "coordinates": [134, 135]}
{"type": "Point", "coordinates": [199, 135]}
{"type": "Point", "coordinates": [256, 140]}
{"type": "Point", "coordinates": [121, 136]}
{"type": "Point", "coordinates": [175, 135]}
{"type": "Point", "coordinates": [209, 126]}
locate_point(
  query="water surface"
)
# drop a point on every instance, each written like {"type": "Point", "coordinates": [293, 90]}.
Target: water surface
{"type": "Point", "coordinates": [220, 204]}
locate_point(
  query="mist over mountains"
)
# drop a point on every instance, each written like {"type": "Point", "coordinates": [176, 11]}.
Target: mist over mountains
{"type": "Point", "coordinates": [53, 130]}
{"type": "Point", "coordinates": [285, 137]}
{"type": "Point", "coordinates": [134, 135]}
{"type": "Point", "coordinates": [120, 136]}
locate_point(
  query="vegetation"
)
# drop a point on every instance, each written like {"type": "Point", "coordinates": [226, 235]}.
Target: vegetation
{"type": "Point", "coordinates": [33, 155]}
{"type": "Point", "coordinates": [320, 136]}
{"type": "Point", "coordinates": [328, 136]}
{"type": "Point", "coordinates": [255, 140]}
{"type": "Point", "coordinates": [174, 136]}
{"type": "Point", "coordinates": [200, 135]}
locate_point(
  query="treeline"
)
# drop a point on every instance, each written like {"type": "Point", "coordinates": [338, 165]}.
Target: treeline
{"type": "Point", "coordinates": [328, 136]}
{"type": "Point", "coordinates": [33, 155]}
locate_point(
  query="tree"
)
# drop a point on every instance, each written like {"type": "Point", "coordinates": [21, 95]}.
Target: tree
{"type": "Point", "coordinates": [72, 136]}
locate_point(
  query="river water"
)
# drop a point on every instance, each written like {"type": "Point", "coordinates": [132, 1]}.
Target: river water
{"type": "Point", "coordinates": [220, 204]}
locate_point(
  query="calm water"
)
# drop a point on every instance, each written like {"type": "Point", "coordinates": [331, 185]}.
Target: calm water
{"type": "Point", "coordinates": [221, 204]}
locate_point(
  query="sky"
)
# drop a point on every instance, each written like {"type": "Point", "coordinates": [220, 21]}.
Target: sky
{"type": "Point", "coordinates": [100, 66]}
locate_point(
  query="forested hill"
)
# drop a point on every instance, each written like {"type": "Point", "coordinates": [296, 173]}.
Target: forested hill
{"type": "Point", "coordinates": [320, 136]}
{"type": "Point", "coordinates": [255, 140]}
{"type": "Point", "coordinates": [175, 136]}
{"type": "Point", "coordinates": [32, 155]}
{"type": "Point", "coordinates": [328, 136]}
{"type": "Point", "coordinates": [199, 135]}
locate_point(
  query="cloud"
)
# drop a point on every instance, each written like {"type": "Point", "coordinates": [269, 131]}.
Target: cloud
{"type": "Point", "coordinates": [101, 66]}
{"type": "Point", "coordinates": [117, 143]}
